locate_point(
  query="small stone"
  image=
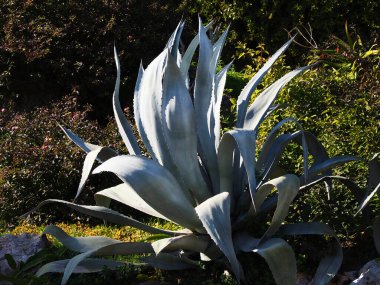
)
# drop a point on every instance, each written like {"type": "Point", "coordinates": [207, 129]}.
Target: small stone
{"type": "Point", "coordinates": [20, 247]}
{"type": "Point", "coordinates": [369, 274]}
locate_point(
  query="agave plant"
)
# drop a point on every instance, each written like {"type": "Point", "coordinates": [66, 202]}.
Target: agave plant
{"type": "Point", "coordinates": [213, 185]}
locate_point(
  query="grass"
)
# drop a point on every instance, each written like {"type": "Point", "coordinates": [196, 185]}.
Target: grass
{"type": "Point", "coordinates": [210, 274]}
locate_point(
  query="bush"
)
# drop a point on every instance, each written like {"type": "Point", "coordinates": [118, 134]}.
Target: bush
{"type": "Point", "coordinates": [38, 162]}
{"type": "Point", "coordinates": [49, 49]}
{"type": "Point", "coordinates": [341, 107]}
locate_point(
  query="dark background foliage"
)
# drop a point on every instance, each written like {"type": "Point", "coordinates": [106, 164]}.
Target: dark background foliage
{"type": "Point", "coordinates": [50, 49]}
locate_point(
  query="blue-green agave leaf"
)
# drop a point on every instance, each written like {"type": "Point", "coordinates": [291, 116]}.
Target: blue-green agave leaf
{"type": "Point", "coordinates": [287, 187]}
{"type": "Point", "coordinates": [330, 163]}
{"type": "Point", "coordinates": [106, 214]}
{"type": "Point", "coordinates": [180, 131]}
{"type": "Point", "coordinates": [85, 146]}
{"type": "Point", "coordinates": [173, 43]}
{"type": "Point", "coordinates": [189, 53]}
{"type": "Point", "coordinates": [104, 152]}
{"type": "Point", "coordinates": [245, 95]}
{"type": "Point", "coordinates": [203, 92]}
{"type": "Point", "coordinates": [331, 263]}
{"type": "Point", "coordinates": [124, 126]}
{"type": "Point", "coordinates": [374, 172]}
{"type": "Point", "coordinates": [220, 82]}
{"type": "Point", "coordinates": [215, 216]}
{"type": "Point", "coordinates": [263, 102]}
{"type": "Point", "coordinates": [78, 244]}
{"type": "Point", "coordinates": [127, 196]}
{"type": "Point", "coordinates": [185, 242]}
{"type": "Point", "coordinates": [150, 180]}
{"type": "Point", "coordinates": [246, 143]}
{"type": "Point", "coordinates": [168, 261]}
{"type": "Point", "coordinates": [121, 248]}
{"type": "Point", "coordinates": [368, 198]}
{"type": "Point", "coordinates": [281, 260]}
{"type": "Point", "coordinates": [89, 265]}
{"type": "Point", "coordinates": [270, 141]}
{"type": "Point", "coordinates": [149, 108]}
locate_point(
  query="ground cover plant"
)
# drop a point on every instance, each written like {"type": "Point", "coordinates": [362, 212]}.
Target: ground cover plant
{"type": "Point", "coordinates": [228, 201]}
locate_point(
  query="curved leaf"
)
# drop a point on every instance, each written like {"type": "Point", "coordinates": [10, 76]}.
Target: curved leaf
{"type": "Point", "coordinates": [157, 186]}
{"type": "Point", "coordinates": [331, 263]}
{"type": "Point", "coordinates": [287, 187]}
{"type": "Point", "coordinates": [85, 146]}
{"type": "Point", "coordinates": [168, 261]}
{"type": "Point", "coordinates": [262, 103]}
{"type": "Point", "coordinates": [89, 265]}
{"type": "Point", "coordinates": [106, 214]}
{"type": "Point", "coordinates": [245, 95]}
{"type": "Point", "coordinates": [185, 242]}
{"type": "Point", "coordinates": [281, 260]}
{"type": "Point", "coordinates": [111, 249]}
{"type": "Point", "coordinates": [180, 131]}
{"type": "Point", "coordinates": [203, 91]}
{"type": "Point", "coordinates": [246, 142]}
{"type": "Point", "coordinates": [103, 152]}
{"type": "Point", "coordinates": [215, 216]}
{"type": "Point", "coordinates": [123, 125]}
{"type": "Point", "coordinates": [122, 194]}
{"type": "Point", "coordinates": [136, 111]}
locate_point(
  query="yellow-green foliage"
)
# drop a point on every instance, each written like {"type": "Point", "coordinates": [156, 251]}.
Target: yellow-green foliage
{"type": "Point", "coordinates": [81, 229]}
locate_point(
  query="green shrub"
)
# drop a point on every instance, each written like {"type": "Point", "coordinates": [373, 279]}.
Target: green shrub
{"type": "Point", "coordinates": [37, 162]}
{"type": "Point", "coordinates": [261, 21]}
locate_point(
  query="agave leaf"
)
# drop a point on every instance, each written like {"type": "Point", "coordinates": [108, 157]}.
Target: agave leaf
{"type": "Point", "coordinates": [203, 90]}
{"type": "Point", "coordinates": [173, 43]}
{"type": "Point", "coordinates": [180, 132]}
{"type": "Point", "coordinates": [106, 214]}
{"type": "Point", "coordinates": [354, 188]}
{"type": "Point", "coordinates": [270, 141]}
{"type": "Point", "coordinates": [260, 106]}
{"type": "Point", "coordinates": [123, 125]}
{"type": "Point", "coordinates": [89, 265]}
{"type": "Point", "coordinates": [78, 244]}
{"type": "Point", "coordinates": [189, 53]}
{"type": "Point", "coordinates": [185, 242]}
{"type": "Point", "coordinates": [287, 187]}
{"type": "Point", "coordinates": [245, 95]}
{"type": "Point", "coordinates": [376, 233]}
{"type": "Point", "coordinates": [330, 163]}
{"type": "Point", "coordinates": [150, 113]}
{"type": "Point", "coordinates": [220, 82]}
{"type": "Point", "coordinates": [281, 260]}
{"type": "Point", "coordinates": [150, 180]}
{"type": "Point", "coordinates": [217, 50]}
{"type": "Point", "coordinates": [374, 172]}
{"type": "Point", "coordinates": [215, 216]}
{"type": "Point", "coordinates": [104, 152]}
{"type": "Point", "coordinates": [85, 146]}
{"type": "Point", "coordinates": [368, 198]}
{"type": "Point", "coordinates": [111, 249]}
{"type": "Point", "coordinates": [246, 141]}
{"type": "Point", "coordinates": [136, 111]}
{"type": "Point", "coordinates": [331, 263]}
{"type": "Point", "coordinates": [124, 194]}
{"type": "Point", "coordinates": [168, 261]}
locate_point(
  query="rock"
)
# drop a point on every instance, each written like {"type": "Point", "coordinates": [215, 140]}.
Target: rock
{"type": "Point", "coordinates": [369, 274]}
{"type": "Point", "coordinates": [21, 247]}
